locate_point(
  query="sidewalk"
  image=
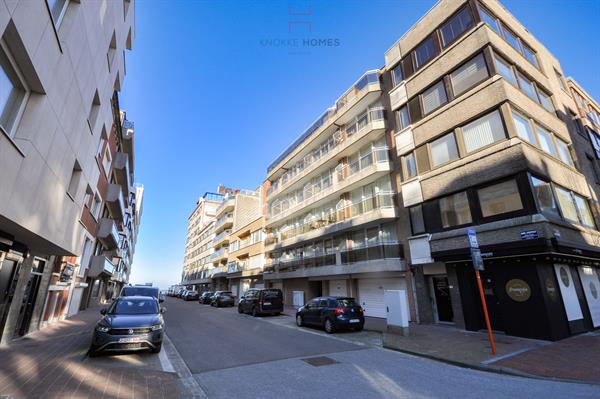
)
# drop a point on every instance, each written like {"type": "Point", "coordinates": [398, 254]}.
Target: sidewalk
{"type": "Point", "coordinates": [575, 358]}
{"type": "Point", "coordinates": [51, 363]}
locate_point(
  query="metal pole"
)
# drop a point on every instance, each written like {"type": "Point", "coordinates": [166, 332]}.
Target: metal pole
{"type": "Point", "coordinates": [485, 313]}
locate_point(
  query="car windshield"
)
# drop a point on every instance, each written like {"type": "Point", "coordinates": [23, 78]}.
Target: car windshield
{"type": "Point", "coordinates": [271, 293]}
{"type": "Point", "coordinates": [347, 302]}
{"type": "Point", "coordinates": [134, 306]}
{"type": "Point", "coordinates": [140, 291]}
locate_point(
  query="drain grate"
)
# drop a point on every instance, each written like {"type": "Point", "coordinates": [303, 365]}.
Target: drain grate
{"type": "Point", "coordinates": [320, 361]}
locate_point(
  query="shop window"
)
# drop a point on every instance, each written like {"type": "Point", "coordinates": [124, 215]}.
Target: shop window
{"type": "Point", "coordinates": [434, 97]}
{"type": "Point", "coordinates": [483, 131]}
{"type": "Point", "coordinates": [444, 150]}
{"type": "Point", "coordinates": [500, 198]}
{"type": "Point", "coordinates": [544, 196]}
{"type": "Point", "coordinates": [468, 75]}
{"type": "Point", "coordinates": [455, 210]}
{"type": "Point", "coordinates": [523, 128]}
{"type": "Point", "coordinates": [457, 24]}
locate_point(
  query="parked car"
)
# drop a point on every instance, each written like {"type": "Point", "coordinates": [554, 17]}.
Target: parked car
{"type": "Point", "coordinates": [332, 313]}
{"type": "Point", "coordinates": [180, 293]}
{"type": "Point", "coordinates": [261, 301]}
{"type": "Point", "coordinates": [129, 324]}
{"type": "Point", "coordinates": [222, 298]}
{"type": "Point", "coordinates": [191, 296]}
{"type": "Point", "coordinates": [206, 297]}
{"type": "Point", "coordinates": [141, 290]}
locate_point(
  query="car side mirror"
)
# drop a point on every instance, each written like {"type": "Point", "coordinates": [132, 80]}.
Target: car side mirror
{"type": "Point", "coordinates": [163, 310]}
{"type": "Point", "coordinates": [103, 311]}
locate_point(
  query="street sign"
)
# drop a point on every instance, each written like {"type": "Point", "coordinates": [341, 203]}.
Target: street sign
{"type": "Point", "coordinates": [477, 259]}
{"type": "Point", "coordinates": [529, 235]}
{"type": "Point", "coordinates": [472, 238]}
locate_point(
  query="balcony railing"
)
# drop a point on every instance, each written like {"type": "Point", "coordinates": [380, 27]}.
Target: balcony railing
{"type": "Point", "coordinates": [234, 267]}
{"type": "Point", "coordinates": [115, 203]}
{"type": "Point", "coordinates": [335, 143]}
{"type": "Point", "coordinates": [217, 255]}
{"type": "Point", "coordinates": [107, 233]}
{"type": "Point", "coordinates": [380, 200]}
{"type": "Point", "coordinates": [324, 186]}
{"type": "Point", "coordinates": [227, 218]}
{"type": "Point", "coordinates": [100, 264]}
{"type": "Point", "coordinates": [221, 236]}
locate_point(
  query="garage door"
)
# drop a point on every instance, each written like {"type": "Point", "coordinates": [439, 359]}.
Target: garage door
{"type": "Point", "coordinates": [370, 294]}
{"type": "Point", "coordinates": [338, 288]}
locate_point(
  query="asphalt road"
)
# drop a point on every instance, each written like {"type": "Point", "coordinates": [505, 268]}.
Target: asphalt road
{"type": "Point", "coordinates": [237, 356]}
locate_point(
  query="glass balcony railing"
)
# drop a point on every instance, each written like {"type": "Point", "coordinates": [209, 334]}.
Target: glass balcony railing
{"type": "Point", "coordinates": [381, 200]}
{"type": "Point", "coordinates": [227, 218]}
{"type": "Point", "coordinates": [221, 253]}
{"type": "Point", "coordinates": [221, 235]}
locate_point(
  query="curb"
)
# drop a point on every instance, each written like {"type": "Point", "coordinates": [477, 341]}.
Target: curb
{"type": "Point", "coordinates": [489, 369]}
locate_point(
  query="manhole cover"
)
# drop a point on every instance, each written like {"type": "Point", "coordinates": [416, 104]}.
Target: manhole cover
{"type": "Point", "coordinates": [320, 361]}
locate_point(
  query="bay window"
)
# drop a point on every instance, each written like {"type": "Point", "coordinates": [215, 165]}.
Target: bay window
{"type": "Point", "coordinates": [563, 152]}
{"type": "Point", "coordinates": [545, 140]}
{"type": "Point", "coordinates": [444, 150]}
{"type": "Point", "coordinates": [425, 52]}
{"type": "Point", "coordinates": [527, 87]}
{"type": "Point", "coordinates": [468, 75]}
{"type": "Point", "coordinates": [567, 205]}
{"type": "Point", "coordinates": [500, 198]}
{"type": "Point", "coordinates": [544, 196]}
{"type": "Point", "coordinates": [455, 210]}
{"type": "Point", "coordinates": [483, 131]}
{"type": "Point", "coordinates": [457, 24]}
{"type": "Point", "coordinates": [523, 128]}
{"type": "Point", "coordinates": [434, 97]}
{"type": "Point", "coordinates": [505, 69]}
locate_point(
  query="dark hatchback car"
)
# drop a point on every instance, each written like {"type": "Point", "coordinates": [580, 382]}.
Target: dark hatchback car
{"type": "Point", "coordinates": [206, 297]}
{"type": "Point", "coordinates": [222, 298]}
{"type": "Point", "coordinates": [130, 323]}
{"type": "Point", "coordinates": [261, 301]}
{"type": "Point", "coordinates": [332, 313]}
{"type": "Point", "coordinates": [191, 296]}
{"type": "Point", "coordinates": [140, 290]}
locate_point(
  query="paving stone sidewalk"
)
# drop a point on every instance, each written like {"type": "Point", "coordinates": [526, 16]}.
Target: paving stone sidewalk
{"type": "Point", "coordinates": [51, 363]}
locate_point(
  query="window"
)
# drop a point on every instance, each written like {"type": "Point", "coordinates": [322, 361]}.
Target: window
{"type": "Point", "coordinates": [527, 87]}
{"type": "Point", "coordinates": [523, 128]}
{"type": "Point", "coordinates": [444, 150]}
{"type": "Point", "coordinates": [397, 75]}
{"type": "Point", "coordinates": [484, 131]}
{"type": "Point", "coordinates": [434, 97]}
{"type": "Point", "coordinates": [13, 92]}
{"type": "Point", "coordinates": [563, 152]}
{"type": "Point", "coordinates": [511, 38]}
{"type": "Point", "coordinates": [57, 10]}
{"type": "Point", "coordinates": [545, 140]}
{"type": "Point", "coordinates": [112, 49]}
{"type": "Point", "coordinates": [411, 165]}
{"type": "Point", "coordinates": [95, 209]}
{"type": "Point", "coordinates": [583, 208]}
{"type": "Point", "coordinates": [561, 80]}
{"type": "Point", "coordinates": [94, 110]}
{"type": "Point", "coordinates": [499, 198]}
{"type": "Point", "coordinates": [489, 19]}
{"type": "Point", "coordinates": [468, 75]}
{"type": "Point", "coordinates": [544, 196]}
{"type": "Point", "coordinates": [567, 206]}
{"type": "Point", "coordinates": [505, 69]}
{"type": "Point", "coordinates": [575, 120]}
{"type": "Point", "coordinates": [594, 168]}
{"type": "Point", "coordinates": [455, 210]}
{"type": "Point", "coordinates": [424, 52]}
{"type": "Point", "coordinates": [106, 160]}
{"type": "Point", "coordinates": [545, 100]}
{"type": "Point", "coordinates": [459, 23]}
{"type": "Point", "coordinates": [530, 55]}
{"type": "Point", "coordinates": [402, 118]}
{"type": "Point", "coordinates": [74, 181]}
{"type": "Point", "coordinates": [416, 219]}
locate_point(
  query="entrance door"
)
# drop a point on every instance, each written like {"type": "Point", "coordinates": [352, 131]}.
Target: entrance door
{"type": "Point", "coordinates": [9, 274]}
{"type": "Point", "coordinates": [443, 303]}
{"type": "Point", "coordinates": [492, 301]}
{"type": "Point", "coordinates": [29, 297]}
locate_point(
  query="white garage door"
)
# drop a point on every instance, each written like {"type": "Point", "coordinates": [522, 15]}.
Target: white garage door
{"type": "Point", "coordinates": [370, 294]}
{"type": "Point", "coordinates": [338, 288]}
{"type": "Point", "coordinates": [591, 287]}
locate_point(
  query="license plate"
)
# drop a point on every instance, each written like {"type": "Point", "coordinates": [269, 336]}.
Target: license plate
{"type": "Point", "coordinates": [267, 303]}
{"type": "Point", "coordinates": [354, 320]}
{"type": "Point", "coordinates": [129, 340]}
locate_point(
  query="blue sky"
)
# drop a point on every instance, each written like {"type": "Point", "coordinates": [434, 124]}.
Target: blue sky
{"type": "Point", "coordinates": [216, 96]}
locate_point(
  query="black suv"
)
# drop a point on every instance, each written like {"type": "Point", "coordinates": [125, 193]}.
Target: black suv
{"type": "Point", "coordinates": [332, 313]}
{"type": "Point", "coordinates": [206, 297]}
{"type": "Point", "coordinates": [261, 301]}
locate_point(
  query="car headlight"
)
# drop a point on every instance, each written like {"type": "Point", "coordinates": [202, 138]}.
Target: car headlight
{"type": "Point", "coordinates": [156, 327]}
{"type": "Point", "coordinates": [102, 328]}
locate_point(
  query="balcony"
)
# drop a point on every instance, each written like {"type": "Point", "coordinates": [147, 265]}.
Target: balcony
{"type": "Point", "coordinates": [235, 267]}
{"type": "Point", "coordinates": [347, 177]}
{"type": "Point", "coordinates": [219, 271]}
{"type": "Point", "coordinates": [127, 137]}
{"type": "Point", "coordinates": [107, 233]}
{"type": "Point", "coordinates": [224, 222]}
{"type": "Point", "coordinates": [226, 206]}
{"type": "Point", "coordinates": [121, 168]}
{"type": "Point", "coordinates": [115, 203]}
{"type": "Point", "coordinates": [342, 143]}
{"type": "Point", "coordinates": [221, 239]}
{"type": "Point", "coordinates": [379, 206]}
{"type": "Point", "coordinates": [99, 265]}
{"type": "Point", "coordinates": [219, 255]}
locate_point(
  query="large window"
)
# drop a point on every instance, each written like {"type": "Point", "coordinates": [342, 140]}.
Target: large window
{"type": "Point", "coordinates": [500, 198]}
{"type": "Point", "coordinates": [544, 196]}
{"type": "Point", "coordinates": [523, 128]}
{"type": "Point", "coordinates": [567, 205]}
{"type": "Point", "coordinates": [459, 23]}
{"type": "Point", "coordinates": [425, 52]}
{"type": "Point", "coordinates": [468, 75]}
{"type": "Point", "coordinates": [434, 97]}
{"type": "Point", "coordinates": [484, 131]}
{"type": "Point", "coordinates": [13, 92]}
{"type": "Point", "coordinates": [505, 69]}
{"type": "Point", "coordinates": [443, 150]}
{"type": "Point", "coordinates": [455, 210]}
{"type": "Point", "coordinates": [545, 139]}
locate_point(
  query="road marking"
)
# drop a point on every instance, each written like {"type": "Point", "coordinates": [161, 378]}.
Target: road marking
{"type": "Point", "coordinates": [165, 363]}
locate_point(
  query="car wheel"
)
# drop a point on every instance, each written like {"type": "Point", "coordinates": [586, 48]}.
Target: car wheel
{"type": "Point", "coordinates": [93, 352]}
{"type": "Point", "coordinates": [157, 348]}
{"type": "Point", "coordinates": [329, 326]}
{"type": "Point", "coordinates": [240, 310]}
{"type": "Point", "coordinates": [299, 321]}
{"type": "Point", "coordinates": [254, 312]}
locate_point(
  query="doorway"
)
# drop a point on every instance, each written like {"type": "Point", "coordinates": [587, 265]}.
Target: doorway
{"type": "Point", "coordinates": [492, 301]}
{"type": "Point", "coordinates": [442, 299]}
{"type": "Point", "coordinates": [9, 275]}
{"type": "Point", "coordinates": [29, 297]}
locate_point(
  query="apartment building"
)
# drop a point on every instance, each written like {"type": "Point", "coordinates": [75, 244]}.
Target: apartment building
{"type": "Point", "coordinates": [481, 131]}
{"type": "Point", "coordinates": [61, 66]}
{"type": "Point", "coordinates": [332, 211]}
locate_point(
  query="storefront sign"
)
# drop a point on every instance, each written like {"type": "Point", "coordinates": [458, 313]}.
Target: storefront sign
{"type": "Point", "coordinates": [529, 235]}
{"type": "Point", "coordinates": [518, 290]}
